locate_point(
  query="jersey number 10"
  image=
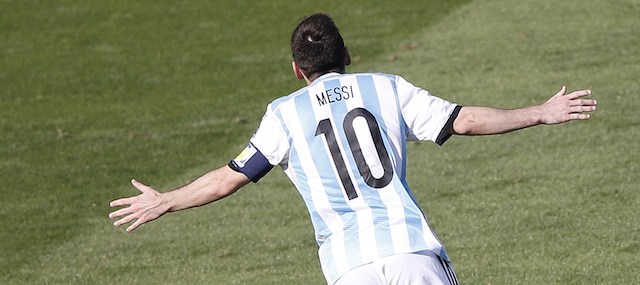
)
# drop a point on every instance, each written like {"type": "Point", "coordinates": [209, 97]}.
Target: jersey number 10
{"type": "Point", "coordinates": [325, 127]}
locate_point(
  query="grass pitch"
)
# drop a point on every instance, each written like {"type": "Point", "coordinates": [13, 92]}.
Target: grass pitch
{"type": "Point", "coordinates": [96, 93]}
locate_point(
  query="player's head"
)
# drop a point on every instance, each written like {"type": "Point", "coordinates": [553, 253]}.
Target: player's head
{"type": "Point", "coordinates": [317, 47]}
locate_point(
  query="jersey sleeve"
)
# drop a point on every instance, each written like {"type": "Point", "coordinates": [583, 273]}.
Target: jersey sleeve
{"type": "Point", "coordinates": [428, 118]}
{"type": "Point", "coordinates": [268, 147]}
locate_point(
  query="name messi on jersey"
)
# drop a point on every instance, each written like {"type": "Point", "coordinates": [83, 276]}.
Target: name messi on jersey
{"type": "Point", "coordinates": [335, 95]}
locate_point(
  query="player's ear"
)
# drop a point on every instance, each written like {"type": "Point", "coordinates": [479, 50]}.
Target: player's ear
{"type": "Point", "coordinates": [347, 57]}
{"type": "Point", "coordinates": [296, 70]}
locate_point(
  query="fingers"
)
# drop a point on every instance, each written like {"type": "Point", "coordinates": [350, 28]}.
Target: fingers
{"type": "Point", "coordinates": [135, 225]}
{"type": "Point", "coordinates": [123, 202]}
{"type": "Point", "coordinates": [143, 188]}
{"type": "Point", "coordinates": [140, 209]}
{"type": "Point", "coordinates": [578, 105]}
{"type": "Point", "coordinates": [562, 91]}
{"type": "Point", "coordinates": [574, 94]}
{"type": "Point", "coordinates": [129, 212]}
{"type": "Point", "coordinates": [130, 200]}
{"type": "Point", "coordinates": [564, 107]}
{"type": "Point", "coordinates": [581, 109]}
{"type": "Point", "coordinates": [583, 102]}
{"type": "Point", "coordinates": [138, 221]}
{"type": "Point", "coordinates": [579, 116]}
{"type": "Point", "coordinates": [121, 212]}
{"type": "Point", "coordinates": [124, 220]}
{"type": "Point", "coordinates": [578, 94]}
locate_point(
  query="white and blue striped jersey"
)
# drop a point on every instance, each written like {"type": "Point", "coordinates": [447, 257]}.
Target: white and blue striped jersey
{"type": "Point", "coordinates": [342, 142]}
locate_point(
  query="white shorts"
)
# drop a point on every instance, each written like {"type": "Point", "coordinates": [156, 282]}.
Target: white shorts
{"type": "Point", "coordinates": [421, 268]}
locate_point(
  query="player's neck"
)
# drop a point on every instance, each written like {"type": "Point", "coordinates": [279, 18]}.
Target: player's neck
{"type": "Point", "coordinates": [310, 80]}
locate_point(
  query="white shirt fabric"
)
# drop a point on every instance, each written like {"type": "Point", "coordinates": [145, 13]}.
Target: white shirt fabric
{"type": "Point", "coordinates": [342, 142]}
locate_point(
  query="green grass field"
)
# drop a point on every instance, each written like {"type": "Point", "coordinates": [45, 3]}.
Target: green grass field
{"type": "Point", "coordinates": [94, 93]}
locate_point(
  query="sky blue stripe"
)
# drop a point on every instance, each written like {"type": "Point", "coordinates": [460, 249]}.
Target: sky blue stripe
{"type": "Point", "coordinates": [413, 214]}
{"type": "Point", "coordinates": [339, 110]}
{"type": "Point", "coordinates": [307, 118]}
{"type": "Point", "coordinates": [307, 121]}
{"type": "Point", "coordinates": [413, 217]}
{"type": "Point", "coordinates": [321, 158]}
{"type": "Point", "coordinates": [370, 99]}
{"type": "Point", "coordinates": [302, 180]}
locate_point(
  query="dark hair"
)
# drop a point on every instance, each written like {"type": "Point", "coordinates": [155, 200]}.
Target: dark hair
{"type": "Point", "coordinates": [317, 46]}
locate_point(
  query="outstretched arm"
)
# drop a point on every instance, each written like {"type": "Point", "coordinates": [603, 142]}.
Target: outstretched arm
{"type": "Point", "coordinates": [151, 204]}
{"type": "Point", "coordinates": [558, 109]}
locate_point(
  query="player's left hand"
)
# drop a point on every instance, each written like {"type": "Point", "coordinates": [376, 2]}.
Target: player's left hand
{"type": "Point", "coordinates": [143, 208]}
{"type": "Point", "coordinates": [564, 107]}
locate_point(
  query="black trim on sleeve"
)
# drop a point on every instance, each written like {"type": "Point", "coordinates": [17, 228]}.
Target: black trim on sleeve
{"type": "Point", "coordinates": [447, 130]}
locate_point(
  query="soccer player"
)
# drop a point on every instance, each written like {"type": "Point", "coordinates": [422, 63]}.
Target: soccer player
{"type": "Point", "coordinates": [342, 142]}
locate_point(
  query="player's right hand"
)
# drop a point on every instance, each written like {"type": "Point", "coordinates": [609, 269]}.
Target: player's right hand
{"type": "Point", "coordinates": [564, 107]}
{"type": "Point", "coordinates": [140, 209]}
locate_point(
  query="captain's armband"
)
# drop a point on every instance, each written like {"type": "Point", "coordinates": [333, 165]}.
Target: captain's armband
{"type": "Point", "coordinates": [252, 163]}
